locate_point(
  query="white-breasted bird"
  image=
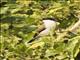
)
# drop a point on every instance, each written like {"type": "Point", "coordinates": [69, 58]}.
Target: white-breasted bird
{"type": "Point", "coordinates": [49, 25]}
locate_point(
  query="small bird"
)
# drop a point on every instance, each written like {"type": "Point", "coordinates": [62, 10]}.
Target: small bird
{"type": "Point", "coordinates": [49, 24]}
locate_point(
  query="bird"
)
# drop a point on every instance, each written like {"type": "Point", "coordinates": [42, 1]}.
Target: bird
{"type": "Point", "coordinates": [49, 24]}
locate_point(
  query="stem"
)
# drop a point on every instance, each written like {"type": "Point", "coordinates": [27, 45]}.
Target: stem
{"type": "Point", "coordinates": [75, 27]}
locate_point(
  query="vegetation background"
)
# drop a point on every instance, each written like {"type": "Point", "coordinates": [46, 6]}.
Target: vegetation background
{"type": "Point", "coordinates": [19, 20]}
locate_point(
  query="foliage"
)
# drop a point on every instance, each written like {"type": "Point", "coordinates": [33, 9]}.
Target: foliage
{"type": "Point", "coordinates": [20, 20]}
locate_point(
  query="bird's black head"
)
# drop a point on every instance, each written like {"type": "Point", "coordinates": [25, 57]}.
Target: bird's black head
{"type": "Point", "coordinates": [53, 19]}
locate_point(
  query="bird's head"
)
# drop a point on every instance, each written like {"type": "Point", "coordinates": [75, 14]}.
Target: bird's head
{"type": "Point", "coordinates": [49, 22]}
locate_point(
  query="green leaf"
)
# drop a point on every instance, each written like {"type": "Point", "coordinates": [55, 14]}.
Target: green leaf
{"type": "Point", "coordinates": [4, 10]}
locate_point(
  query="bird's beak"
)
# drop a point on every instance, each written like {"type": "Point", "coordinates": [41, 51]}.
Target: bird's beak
{"type": "Point", "coordinates": [57, 23]}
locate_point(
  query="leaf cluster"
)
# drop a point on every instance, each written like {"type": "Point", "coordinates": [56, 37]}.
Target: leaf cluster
{"type": "Point", "coordinates": [20, 20]}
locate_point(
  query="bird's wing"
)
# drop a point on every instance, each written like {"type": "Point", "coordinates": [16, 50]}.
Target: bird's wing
{"type": "Point", "coordinates": [36, 35]}
{"type": "Point", "coordinates": [44, 32]}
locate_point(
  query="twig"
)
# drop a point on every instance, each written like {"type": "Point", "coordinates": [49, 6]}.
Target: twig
{"type": "Point", "coordinates": [75, 27]}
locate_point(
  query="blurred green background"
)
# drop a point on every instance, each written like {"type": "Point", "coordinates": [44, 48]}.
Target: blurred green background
{"type": "Point", "coordinates": [19, 20]}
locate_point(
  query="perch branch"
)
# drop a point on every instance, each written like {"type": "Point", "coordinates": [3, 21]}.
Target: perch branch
{"type": "Point", "coordinates": [73, 29]}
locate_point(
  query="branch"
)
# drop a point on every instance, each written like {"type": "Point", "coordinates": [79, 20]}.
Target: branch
{"type": "Point", "coordinates": [73, 29]}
